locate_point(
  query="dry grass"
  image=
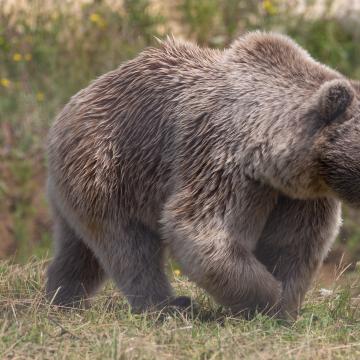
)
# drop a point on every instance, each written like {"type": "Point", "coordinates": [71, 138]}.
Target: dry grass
{"type": "Point", "coordinates": [328, 327]}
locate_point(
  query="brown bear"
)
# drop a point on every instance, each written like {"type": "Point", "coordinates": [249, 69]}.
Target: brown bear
{"type": "Point", "coordinates": [235, 160]}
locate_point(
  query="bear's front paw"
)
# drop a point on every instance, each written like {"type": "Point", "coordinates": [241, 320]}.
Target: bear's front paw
{"type": "Point", "coordinates": [290, 307]}
{"type": "Point", "coordinates": [181, 302]}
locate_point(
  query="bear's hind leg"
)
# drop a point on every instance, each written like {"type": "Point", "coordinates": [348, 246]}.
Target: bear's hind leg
{"type": "Point", "coordinates": [134, 257]}
{"type": "Point", "coordinates": [74, 273]}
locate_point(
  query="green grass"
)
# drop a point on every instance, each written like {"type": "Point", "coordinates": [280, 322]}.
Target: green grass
{"type": "Point", "coordinates": [328, 328]}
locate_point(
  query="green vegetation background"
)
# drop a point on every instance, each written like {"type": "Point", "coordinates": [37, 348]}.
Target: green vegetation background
{"type": "Point", "coordinates": [51, 49]}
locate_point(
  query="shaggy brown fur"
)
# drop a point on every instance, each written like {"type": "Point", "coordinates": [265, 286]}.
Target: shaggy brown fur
{"type": "Point", "coordinates": [233, 159]}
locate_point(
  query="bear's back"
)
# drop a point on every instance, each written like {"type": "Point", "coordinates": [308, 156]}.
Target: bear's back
{"type": "Point", "coordinates": [112, 143]}
{"type": "Point", "coordinates": [112, 147]}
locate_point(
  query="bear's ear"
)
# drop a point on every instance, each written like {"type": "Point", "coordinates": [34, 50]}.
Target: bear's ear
{"type": "Point", "coordinates": [334, 97]}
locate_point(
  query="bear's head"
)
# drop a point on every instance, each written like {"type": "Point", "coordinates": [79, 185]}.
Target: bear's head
{"type": "Point", "coordinates": [338, 146]}
{"type": "Point", "coordinates": [302, 119]}
{"type": "Point", "coordinates": [312, 149]}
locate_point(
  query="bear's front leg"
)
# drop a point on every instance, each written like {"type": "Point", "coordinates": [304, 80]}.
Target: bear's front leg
{"type": "Point", "coordinates": [296, 238]}
{"type": "Point", "coordinates": [214, 253]}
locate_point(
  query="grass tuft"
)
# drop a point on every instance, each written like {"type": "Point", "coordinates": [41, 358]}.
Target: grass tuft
{"type": "Point", "coordinates": [328, 326]}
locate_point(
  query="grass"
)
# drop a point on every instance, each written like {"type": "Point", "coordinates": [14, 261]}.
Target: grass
{"type": "Point", "coordinates": [328, 328]}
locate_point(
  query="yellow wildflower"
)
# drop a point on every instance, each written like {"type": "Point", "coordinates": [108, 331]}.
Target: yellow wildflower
{"type": "Point", "coordinates": [17, 57]}
{"type": "Point", "coordinates": [269, 6]}
{"type": "Point", "coordinates": [40, 96]}
{"type": "Point", "coordinates": [5, 83]}
{"type": "Point", "coordinates": [177, 272]}
{"type": "Point", "coordinates": [28, 57]}
{"type": "Point", "coordinates": [98, 20]}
